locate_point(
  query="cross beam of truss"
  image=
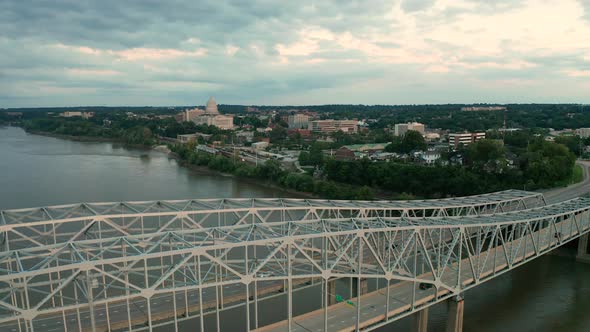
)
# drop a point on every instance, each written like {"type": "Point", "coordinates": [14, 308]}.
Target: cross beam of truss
{"type": "Point", "coordinates": [70, 223]}
{"type": "Point", "coordinates": [453, 253]}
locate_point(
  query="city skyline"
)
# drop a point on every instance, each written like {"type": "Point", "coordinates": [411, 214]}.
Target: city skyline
{"type": "Point", "coordinates": [81, 53]}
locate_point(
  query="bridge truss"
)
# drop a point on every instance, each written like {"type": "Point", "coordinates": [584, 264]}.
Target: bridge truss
{"type": "Point", "coordinates": [23, 228]}
{"type": "Point", "coordinates": [171, 271]}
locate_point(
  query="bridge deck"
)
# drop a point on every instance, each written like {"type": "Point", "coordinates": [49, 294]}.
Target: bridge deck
{"type": "Point", "coordinates": [375, 307]}
{"type": "Point", "coordinates": [177, 250]}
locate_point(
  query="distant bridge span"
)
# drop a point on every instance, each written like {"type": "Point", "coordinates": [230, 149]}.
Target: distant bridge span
{"type": "Point", "coordinates": [85, 267]}
{"type": "Point", "coordinates": [22, 228]}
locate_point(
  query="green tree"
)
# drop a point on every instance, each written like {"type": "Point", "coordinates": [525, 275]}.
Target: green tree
{"type": "Point", "coordinates": [278, 134]}
{"type": "Point", "coordinates": [411, 141]}
{"type": "Point", "coordinates": [304, 158]}
{"type": "Point", "coordinates": [573, 143]}
{"type": "Point", "coordinates": [548, 163]}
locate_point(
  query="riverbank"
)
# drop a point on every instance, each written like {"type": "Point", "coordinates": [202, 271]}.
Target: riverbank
{"type": "Point", "coordinates": [275, 184]}
{"type": "Point", "coordinates": [182, 163]}
{"type": "Point", "coordinates": [90, 139]}
{"type": "Point", "coordinates": [206, 170]}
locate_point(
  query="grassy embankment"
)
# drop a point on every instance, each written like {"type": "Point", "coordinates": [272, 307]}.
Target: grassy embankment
{"type": "Point", "coordinates": [577, 174]}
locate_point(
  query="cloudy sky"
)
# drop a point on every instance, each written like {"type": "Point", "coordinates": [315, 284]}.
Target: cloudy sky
{"type": "Point", "coordinates": [179, 52]}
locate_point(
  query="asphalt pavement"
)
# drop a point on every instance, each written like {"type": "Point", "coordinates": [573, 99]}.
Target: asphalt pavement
{"type": "Point", "coordinates": [576, 190]}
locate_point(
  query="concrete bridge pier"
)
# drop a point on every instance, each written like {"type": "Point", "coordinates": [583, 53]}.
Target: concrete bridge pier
{"type": "Point", "coordinates": [421, 321]}
{"type": "Point", "coordinates": [331, 287]}
{"type": "Point", "coordinates": [583, 252]}
{"type": "Point", "coordinates": [355, 284]}
{"type": "Point", "coordinates": [455, 318]}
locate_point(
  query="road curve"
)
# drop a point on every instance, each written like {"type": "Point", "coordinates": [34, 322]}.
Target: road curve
{"type": "Point", "coordinates": [572, 191]}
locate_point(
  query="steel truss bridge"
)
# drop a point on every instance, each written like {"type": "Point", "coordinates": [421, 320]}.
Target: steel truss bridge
{"type": "Point", "coordinates": [144, 265]}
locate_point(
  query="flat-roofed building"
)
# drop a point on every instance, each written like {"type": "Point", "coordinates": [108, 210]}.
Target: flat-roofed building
{"type": "Point", "coordinates": [70, 114]}
{"type": "Point", "coordinates": [402, 128]}
{"type": "Point", "coordinates": [355, 151]}
{"type": "Point", "coordinates": [347, 126]}
{"type": "Point", "coordinates": [189, 115]}
{"type": "Point", "coordinates": [331, 126]}
{"type": "Point", "coordinates": [186, 138]}
{"type": "Point", "coordinates": [483, 108]}
{"type": "Point", "coordinates": [456, 139]}
{"type": "Point", "coordinates": [225, 122]}
{"type": "Point", "coordinates": [260, 145]}
{"type": "Point", "coordinates": [298, 121]}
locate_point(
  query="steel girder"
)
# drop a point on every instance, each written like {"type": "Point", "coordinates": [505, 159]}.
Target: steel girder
{"type": "Point", "coordinates": [69, 223]}
{"type": "Point", "coordinates": [453, 253]}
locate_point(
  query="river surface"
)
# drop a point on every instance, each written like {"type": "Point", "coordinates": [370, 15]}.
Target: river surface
{"type": "Point", "coordinates": [551, 293]}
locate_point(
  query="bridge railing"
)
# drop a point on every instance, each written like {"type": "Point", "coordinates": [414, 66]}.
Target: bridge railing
{"type": "Point", "coordinates": [69, 223]}
{"type": "Point", "coordinates": [451, 253]}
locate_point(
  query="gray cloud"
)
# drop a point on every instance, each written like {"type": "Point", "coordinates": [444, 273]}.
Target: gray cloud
{"type": "Point", "coordinates": [586, 5]}
{"type": "Point", "coordinates": [416, 5]}
{"type": "Point", "coordinates": [77, 52]}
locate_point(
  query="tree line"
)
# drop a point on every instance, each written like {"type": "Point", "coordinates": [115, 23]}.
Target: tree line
{"type": "Point", "coordinates": [272, 172]}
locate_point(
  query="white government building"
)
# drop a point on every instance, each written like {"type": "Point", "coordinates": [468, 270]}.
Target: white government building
{"type": "Point", "coordinates": [210, 116]}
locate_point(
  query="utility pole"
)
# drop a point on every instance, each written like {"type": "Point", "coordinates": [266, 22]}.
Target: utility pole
{"type": "Point", "coordinates": [504, 132]}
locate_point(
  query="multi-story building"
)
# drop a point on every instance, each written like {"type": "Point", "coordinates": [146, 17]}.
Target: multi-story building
{"type": "Point", "coordinates": [322, 126]}
{"type": "Point", "coordinates": [356, 151]}
{"type": "Point", "coordinates": [84, 115]}
{"type": "Point", "coordinates": [483, 108]}
{"type": "Point", "coordinates": [210, 116]}
{"type": "Point", "coordinates": [331, 126]}
{"type": "Point", "coordinates": [225, 122]}
{"type": "Point", "coordinates": [583, 132]}
{"type": "Point", "coordinates": [298, 121]}
{"type": "Point", "coordinates": [402, 128]}
{"type": "Point", "coordinates": [347, 126]}
{"type": "Point", "coordinates": [192, 114]}
{"type": "Point", "coordinates": [186, 138]}
{"type": "Point", "coordinates": [456, 139]}
{"type": "Point", "coordinates": [189, 115]}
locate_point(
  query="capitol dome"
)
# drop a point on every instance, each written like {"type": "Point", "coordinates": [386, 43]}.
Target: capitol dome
{"type": "Point", "coordinates": [211, 106]}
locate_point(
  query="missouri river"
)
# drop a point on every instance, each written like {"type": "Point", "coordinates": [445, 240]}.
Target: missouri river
{"type": "Point", "coordinates": [549, 294]}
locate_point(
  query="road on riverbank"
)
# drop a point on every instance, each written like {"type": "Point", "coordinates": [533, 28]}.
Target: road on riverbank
{"type": "Point", "coordinates": [572, 191]}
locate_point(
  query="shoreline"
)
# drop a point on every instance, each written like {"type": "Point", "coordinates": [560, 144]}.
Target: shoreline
{"type": "Point", "coordinates": [378, 194]}
{"type": "Point", "coordinates": [172, 155]}
{"type": "Point", "coordinates": [207, 170]}
{"type": "Point", "coordinates": [88, 139]}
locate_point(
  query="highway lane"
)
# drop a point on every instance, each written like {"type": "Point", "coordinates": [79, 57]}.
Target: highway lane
{"type": "Point", "coordinates": [572, 191]}
{"type": "Point", "coordinates": [374, 306]}
{"type": "Point", "coordinates": [400, 294]}
{"type": "Point", "coordinates": [161, 304]}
